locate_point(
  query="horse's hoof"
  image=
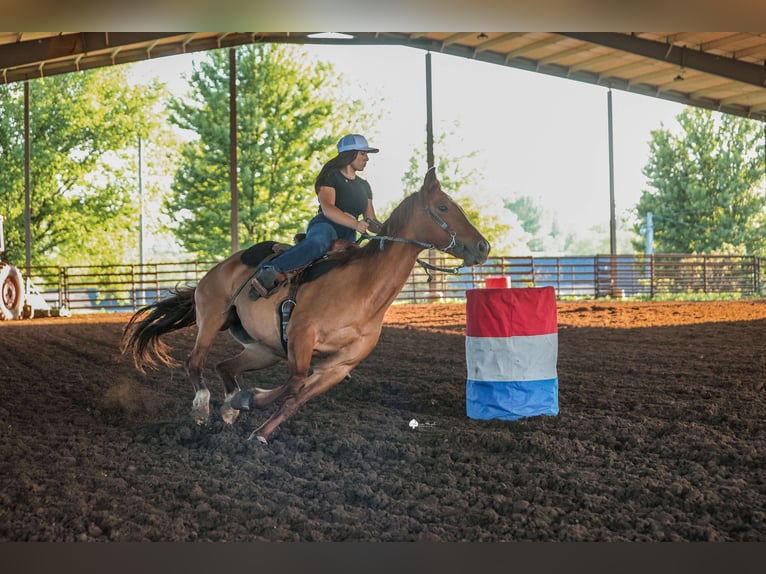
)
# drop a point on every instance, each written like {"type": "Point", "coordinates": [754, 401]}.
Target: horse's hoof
{"type": "Point", "coordinates": [228, 415]}
{"type": "Point", "coordinates": [256, 436]}
{"type": "Point", "coordinates": [242, 401]}
{"type": "Point", "coordinates": [200, 417]}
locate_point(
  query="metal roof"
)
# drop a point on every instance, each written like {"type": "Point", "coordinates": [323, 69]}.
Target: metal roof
{"type": "Point", "coordinates": [724, 71]}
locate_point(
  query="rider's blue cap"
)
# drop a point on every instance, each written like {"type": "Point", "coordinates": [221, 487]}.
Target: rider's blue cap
{"type": "Point", "coordinates": [355, 142]}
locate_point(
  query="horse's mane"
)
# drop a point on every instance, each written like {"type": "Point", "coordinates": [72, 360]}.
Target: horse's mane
{"type": "Point", "coordinates": [392, 226]}
{"type": "Point", "coordinates": [400, 216]}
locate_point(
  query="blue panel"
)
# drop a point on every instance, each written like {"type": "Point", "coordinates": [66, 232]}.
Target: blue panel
{"type": "Point", "coordinates": [511, 400]}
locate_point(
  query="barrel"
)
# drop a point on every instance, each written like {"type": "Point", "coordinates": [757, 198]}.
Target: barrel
{"type": "Point", "coordinates": [511, 353]}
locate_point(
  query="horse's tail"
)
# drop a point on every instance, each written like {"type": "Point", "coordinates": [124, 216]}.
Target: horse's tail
{"type": "Point", "coordinates": [141, 337]}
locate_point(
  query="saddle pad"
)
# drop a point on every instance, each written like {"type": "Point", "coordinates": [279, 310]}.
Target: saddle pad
{"type": "Point", "coordinates": [252, 256]}
{"type": "Point", "coordinates": [317, 269]}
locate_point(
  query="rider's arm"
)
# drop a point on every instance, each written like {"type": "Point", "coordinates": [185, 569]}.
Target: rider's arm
{"type": "Point", "coordinates": [332, 212]}
{"type": "Point", "coordinates": [369, 215]}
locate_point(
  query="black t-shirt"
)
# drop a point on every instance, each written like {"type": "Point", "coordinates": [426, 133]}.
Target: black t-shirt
{"type": "Point", "coordinates": [351, 195]}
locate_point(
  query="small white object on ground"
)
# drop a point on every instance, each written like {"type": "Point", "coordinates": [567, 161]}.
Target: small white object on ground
{"type": "Point", "coordinates": [413, 424]}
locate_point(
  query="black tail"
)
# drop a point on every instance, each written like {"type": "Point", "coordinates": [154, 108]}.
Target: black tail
{"type": "Point", "coordinates": [141, 337]}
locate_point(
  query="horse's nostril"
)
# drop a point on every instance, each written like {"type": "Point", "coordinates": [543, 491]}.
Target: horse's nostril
{"type": "Point", "coordinates": [484, 247]}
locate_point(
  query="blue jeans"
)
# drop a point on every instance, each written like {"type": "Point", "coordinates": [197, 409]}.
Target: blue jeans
{"type": "Point", "coordinates": [320, 234]}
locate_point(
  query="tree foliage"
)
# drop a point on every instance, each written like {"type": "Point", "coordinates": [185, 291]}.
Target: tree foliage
{"type": "Point", "coordinates": [83, 132]}
{"type": "Point", "coordinates": [290, 114]}
{"type": "Point", "coordinates": [707, 185]}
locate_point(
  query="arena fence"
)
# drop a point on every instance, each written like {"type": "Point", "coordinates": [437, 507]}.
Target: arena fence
{"type": "Point", "coordinates": [129, 287]}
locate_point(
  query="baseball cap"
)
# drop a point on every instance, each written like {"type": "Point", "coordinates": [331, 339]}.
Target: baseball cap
{"type": "Point", "coordinates": [355, 142]}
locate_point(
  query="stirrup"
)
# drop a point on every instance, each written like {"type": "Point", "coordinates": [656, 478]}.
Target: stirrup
{"type": "Point", "coordinates": [258, 289]}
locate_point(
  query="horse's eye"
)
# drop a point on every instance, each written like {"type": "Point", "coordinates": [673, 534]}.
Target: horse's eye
{"type": "Point", "coordinates": [443, 208]}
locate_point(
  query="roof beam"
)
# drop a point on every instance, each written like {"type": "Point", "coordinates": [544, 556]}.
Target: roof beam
{"type": "Point", "coordinates": [712, 89]}
{"type": "Point", "coordinates": [713, 44]}
{"type": "Point", "coordinates": [754, 97]}
{"type": "Point", "coordinates": [753, 50]}
{"type": "Point", "coordinates": [650, 77]}
{"type": "Point", "coordinates": [498, 40]}
{"type": "Point", "coordinates": [692, 59]}
{"type": "Point", "coordinates": [624, 67]}
{"type": "Point", "coordinates": [532, 47]}
{"type": "Point", "coordinates": [43, 50]}
{"type": "Point", "coordinates": [560, 55]}
{"type": "Point", "coordinates": [456, 38]}
{"type": "Point", "coordinates": [585, 64]}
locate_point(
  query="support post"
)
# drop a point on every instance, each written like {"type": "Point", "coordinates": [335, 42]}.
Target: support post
{"type": "Point", "coordinates": [233, 150]}
{"type": "Point", "coordinates": [614, 292]}
{"type": "Point", "coordinates": [140, 206]}
{"type": "Point", "coordinates": [27, 186]}
{"type": "Point", "coordinates": [612, 217]}
{"type": "Point", "coordinates": [429, 115]}
{"type": "Point", "coordinates": [649, 248]}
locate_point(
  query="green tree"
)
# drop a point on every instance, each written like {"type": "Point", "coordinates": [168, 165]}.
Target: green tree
{"type": "Point", "coordinates": [290, 114]}
{"type": "Point", "coordinates": [83, 131]}
{"type": "Point", "coordinates": [707, 185]}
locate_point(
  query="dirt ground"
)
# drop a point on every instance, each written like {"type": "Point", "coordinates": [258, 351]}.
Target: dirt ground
{"type": "Point", "coordinates": [661, 437]}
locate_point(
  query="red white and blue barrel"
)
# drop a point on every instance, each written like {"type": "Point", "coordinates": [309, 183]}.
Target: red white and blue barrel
{"type": "Point", "coordinates": [511, 353]}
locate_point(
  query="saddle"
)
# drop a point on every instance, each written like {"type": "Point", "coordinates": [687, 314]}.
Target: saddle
{"type": "Point", "coordinates": [255, 255]}
{"type": "Point", "coordinates": [266, 250]}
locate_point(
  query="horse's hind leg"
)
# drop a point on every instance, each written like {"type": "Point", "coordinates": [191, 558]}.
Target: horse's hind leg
{"type": "Point", "coordinates": [252, 358]}
{"type": "Point", "coordinates": [207, 329]}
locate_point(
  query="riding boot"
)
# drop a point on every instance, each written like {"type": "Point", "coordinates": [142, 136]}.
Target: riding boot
{"type": "Point", "coordinates": [265, 282]}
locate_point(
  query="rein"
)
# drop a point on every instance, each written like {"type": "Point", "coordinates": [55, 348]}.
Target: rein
{"type": "Point", "coordinates": [427, 267]}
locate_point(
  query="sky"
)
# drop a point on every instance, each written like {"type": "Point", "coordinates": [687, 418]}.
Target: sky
{"type": "Point", "coordinates": [534, 134]}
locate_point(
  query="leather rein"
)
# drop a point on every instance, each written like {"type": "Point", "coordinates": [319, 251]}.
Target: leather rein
{"type": "Point", "coordinates": [427, 267]}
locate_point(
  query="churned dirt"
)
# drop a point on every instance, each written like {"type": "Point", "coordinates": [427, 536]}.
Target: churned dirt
{"type": "Point", "coordinates": [661, 437]}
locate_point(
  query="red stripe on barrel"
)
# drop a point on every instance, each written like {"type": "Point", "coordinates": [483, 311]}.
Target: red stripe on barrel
{"type": "Point", "coordinates": [523, 312]}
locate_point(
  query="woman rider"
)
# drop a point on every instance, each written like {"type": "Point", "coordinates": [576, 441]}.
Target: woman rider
{"type": "Point", "coordinates": [343, 197]}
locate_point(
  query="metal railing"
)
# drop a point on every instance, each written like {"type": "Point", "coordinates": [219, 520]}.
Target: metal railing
{"type": "Point", "coordinates": [129, 287]}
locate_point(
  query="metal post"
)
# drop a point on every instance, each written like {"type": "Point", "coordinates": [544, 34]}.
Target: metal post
{"type": "Point", "coordinates": [233, 150]}
{"type": "Point", "coordinates": [612, 218]}
{"type": "Point", "coordinates": [141, 297]}
{"type": "Point", "coordinates": [649, 245]}
{"type": "Point", "coordinates": [141, 208]}
{"type": "Point", "coordinates": [649, 248]}
{"type": "Point", "coordinates": [430, 145]}
{"type": "Point", "coordinates": [27, 185]}
{"type": "Point", "coordinates": [429, 115]}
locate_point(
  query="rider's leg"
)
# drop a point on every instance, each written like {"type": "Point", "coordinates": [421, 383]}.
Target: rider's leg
{"type": "Point", "coordinates": [319, 238]}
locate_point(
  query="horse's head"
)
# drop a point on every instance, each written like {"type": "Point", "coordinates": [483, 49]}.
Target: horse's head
{"type": "Point", "coordinates": [446, 225]}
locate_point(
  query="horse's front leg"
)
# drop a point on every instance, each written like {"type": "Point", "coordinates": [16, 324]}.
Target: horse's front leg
{"type": "Point", "coordinates": [299, 390]}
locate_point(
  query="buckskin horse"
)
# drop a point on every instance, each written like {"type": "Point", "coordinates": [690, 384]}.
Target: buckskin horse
{"type": "Point", "coordinates": [336, 320]}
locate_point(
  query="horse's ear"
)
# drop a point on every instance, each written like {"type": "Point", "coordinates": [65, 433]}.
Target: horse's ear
{"type": "Point", "coordinates": [430, 180]}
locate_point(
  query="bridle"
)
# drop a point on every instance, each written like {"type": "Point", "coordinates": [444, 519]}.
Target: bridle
{"type": "Point", "coordinates": [443, 224]}
{"type": "Point", "coordinates": [427, 267]}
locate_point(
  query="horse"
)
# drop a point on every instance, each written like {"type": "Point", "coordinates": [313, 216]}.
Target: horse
{"type": "Point", "coordinates": [335, 323]}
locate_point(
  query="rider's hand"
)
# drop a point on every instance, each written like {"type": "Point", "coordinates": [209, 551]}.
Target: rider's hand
{"type": "Point", "coordinates": [374, 225]}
